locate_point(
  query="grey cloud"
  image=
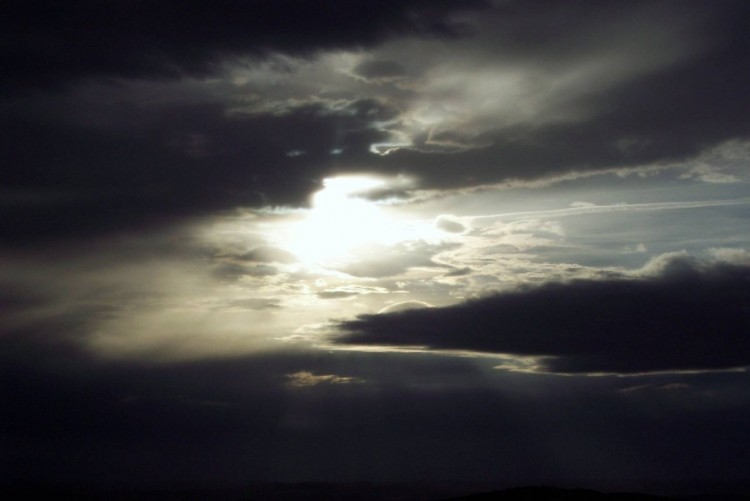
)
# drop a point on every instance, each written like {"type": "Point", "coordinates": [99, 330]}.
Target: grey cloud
{"type": "Point", "coordinates": [336, 294]}
{"type": "Point", "coordinates": [379, 260]}
{"type": "Point", "coordinates": [255, 304]}
{"type": "Point", "coordinates": [686, 318]}
{"type": "Point", "coordinates": [306, 379]}
{"type": "Point", "coordinates": [459, 272]}
{"type": "Point", "coordinates": [651, 94]}
{"type": "Point", "coordinates": [379, 70]}
{"type": "Point", "coordinates": [371, 110]}
{"type": "Point", "coordinates": [631, 390]}
{"type": "Point", "coordinates": [450, 224]}
{"type": "Point", "coordinates": [234, 271]}
{"type": "Point", "coordinates": [267, 254]}
{"type": "Point", "coordinates": [350, 291]}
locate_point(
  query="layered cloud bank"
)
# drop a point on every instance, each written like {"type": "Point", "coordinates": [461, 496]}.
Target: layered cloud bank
{"type": "Point", "coordinates": [687, 318]}
{"type": "Point", "coordinates": [125, 115]}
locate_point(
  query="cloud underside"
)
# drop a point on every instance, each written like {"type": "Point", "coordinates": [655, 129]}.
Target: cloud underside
{"type": "Point", "coordinates": [685, 319]}
{"type": "Point", "coordinates": [147, 40]}
{"type": "Point", "coordinates": [513, 95]}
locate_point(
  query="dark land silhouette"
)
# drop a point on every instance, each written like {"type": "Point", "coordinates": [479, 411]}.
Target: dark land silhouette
{"type": "Point", "coordinates": [354, 491]}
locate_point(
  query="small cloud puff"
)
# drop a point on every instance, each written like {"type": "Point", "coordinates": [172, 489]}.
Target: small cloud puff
{"type": "Point", "coordinates": [306, 379]}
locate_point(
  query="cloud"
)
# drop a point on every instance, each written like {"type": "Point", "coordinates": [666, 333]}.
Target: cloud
{"type": "Point", "coordinates": [127, 176]}
{"type": "Point", "coordinates": [533, 226]}
{"type": "Point", "coordinates": [259, 303]}
{"type": "Point", "coordinates": [379, 70]}
{"type": "Point", "coordinates": [529, 219]}
{"type": "Point", "coordinates": [378, 260]}
{"type": "Point", "coordinates": [306, 379]}
{"type": "Point", "coordinates": [136, 40]}
{"type": "Point", "coordinates": [233, 271]}
{"type": "Point", "coordinates": [725, 163]}
{"type": "Point", "coordinates": [450, 224]}
{"type": "Point", "coordinates": [517, 101]}
{"type": "Point", "coordinates": [581, 205]}
{"type": "Point", "coordinates": [349, 291]}
{"type": "Point", "coordinates": [267, 254]}
{"type": "Point", "coordinates": [631, 390]}
{"type": "Point", "coordinates": [689, 316]}
{"type": "Point", "coordinates": [140, 136]}
{"type": "Point", "coordinates": [404, 306]}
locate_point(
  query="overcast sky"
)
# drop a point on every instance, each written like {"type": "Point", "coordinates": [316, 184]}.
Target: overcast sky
{"type": "Point", "coordinates": [425, 240]}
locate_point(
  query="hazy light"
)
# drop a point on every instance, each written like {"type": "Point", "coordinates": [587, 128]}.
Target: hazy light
{"type": "Point", "coordinates": [341, 222]}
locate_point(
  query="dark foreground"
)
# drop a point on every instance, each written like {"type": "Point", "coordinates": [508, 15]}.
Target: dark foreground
{"type": "Point", "coordinates": [320, 491]}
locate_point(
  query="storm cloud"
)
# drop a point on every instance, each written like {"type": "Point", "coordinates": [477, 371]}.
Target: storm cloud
{"type": "Point", "coordinates": [684, 319]}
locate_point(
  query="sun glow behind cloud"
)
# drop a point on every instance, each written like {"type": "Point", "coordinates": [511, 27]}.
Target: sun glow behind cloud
{"type": "Point", "coordinates": [343, 223]}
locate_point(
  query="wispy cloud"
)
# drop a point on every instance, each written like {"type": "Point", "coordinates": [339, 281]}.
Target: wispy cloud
{"type": "Point", "coordinates": [306, 379]}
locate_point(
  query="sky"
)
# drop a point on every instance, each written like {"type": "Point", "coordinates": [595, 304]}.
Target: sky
{"type": "Point", "coordinates": [420, 241]}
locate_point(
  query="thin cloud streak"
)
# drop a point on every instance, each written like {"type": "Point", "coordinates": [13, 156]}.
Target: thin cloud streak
{"type": "Point", "coordinates": [620, 207]}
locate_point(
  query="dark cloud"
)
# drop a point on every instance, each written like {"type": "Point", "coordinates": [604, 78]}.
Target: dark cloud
{"type": "Point", "coordinates": [48, 43]}
{"type": "Point", "coordinates": [685, 319]}
{"type": "Point", "coordinates": [184, 424]}
{"type": "Point", "coordinates": [408, 417]}
{"type": "Point", "coordinates": [153, 162]}
{"type": "Point", "coordinates": [89, 179]}
{"type": "Point", "coordinates": [372, 110]}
